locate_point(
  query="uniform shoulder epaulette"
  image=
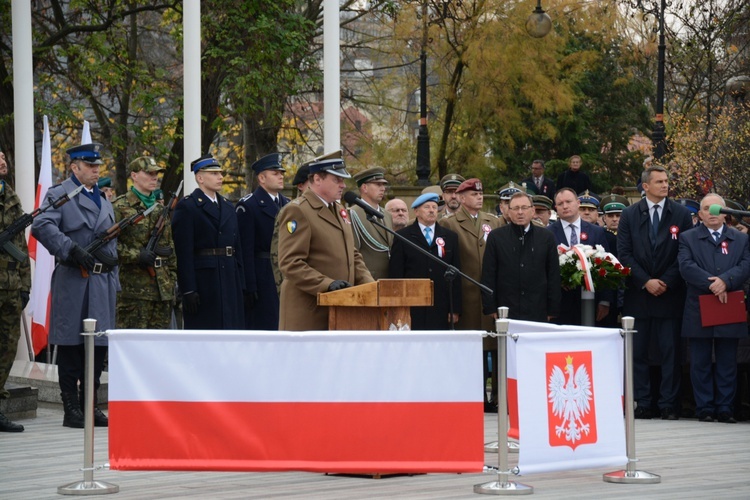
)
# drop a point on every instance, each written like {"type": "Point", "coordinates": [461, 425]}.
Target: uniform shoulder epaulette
{"type": "Point", "coordinates": [118, 199]}
{"type": "Point", "coordinates": [448, 216]}
{"type": "Point", "coordinates": [297, 201]}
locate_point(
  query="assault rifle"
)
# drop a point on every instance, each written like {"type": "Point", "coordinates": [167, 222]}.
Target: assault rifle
{"type": "Point", "coordinates": [159, 227]}
{"type": "Point", "coordinates": [110, 234]}
{"type": "Point", "coordinates": [25, 221]}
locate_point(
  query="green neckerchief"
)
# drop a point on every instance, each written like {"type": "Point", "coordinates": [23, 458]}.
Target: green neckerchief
{"type": "Point", "coordinates": [147, 200]}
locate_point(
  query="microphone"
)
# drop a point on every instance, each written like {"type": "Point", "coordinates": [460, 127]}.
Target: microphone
{"type": "Point", "coordinates": [717, 209]}
{"type": "Point", "coordinates": [352, 199]}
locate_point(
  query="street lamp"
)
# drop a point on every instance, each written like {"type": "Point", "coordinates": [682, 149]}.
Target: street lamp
{"type": "Point", "coordinates": [423, 139]}
{"type": "Point", "coordinates": [539, 22]}
{"type": "Point", "coordinates": [658, 136]}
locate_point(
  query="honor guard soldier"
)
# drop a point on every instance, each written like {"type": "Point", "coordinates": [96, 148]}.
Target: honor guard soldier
{"type": "Point", "coordinates": [373, 242]}
{"type": "Point", "coordinates": [148, 269]}
{"type": "Point", "coordinates": [693, 206]}
{"type": "Point", "coordinates": [448, 185]}
{"type": "Point", "coordinates": [83, 285]}
{"type": "Point", "coordinates": [316, 247]}
{"type": "Point", "coordinates": [209, 261]}
{"type": "Point", "coordinates": [256, 214]}
{"type": "Point", "coordinates": [15, 283]}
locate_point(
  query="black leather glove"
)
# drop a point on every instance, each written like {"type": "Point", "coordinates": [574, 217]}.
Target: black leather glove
{"type": "Point", "coordinates": [191, 302]}
{"type": "Point", "coordinates": [82, 257]}
{"type": "Point", "coordinates": [24, 299]}
{"type": "Point", "coordinates": [250, 300]}
{"type": "Point", "coordinates": [338, 285]}
{"type": "Point", "coordinates": [146, 257]}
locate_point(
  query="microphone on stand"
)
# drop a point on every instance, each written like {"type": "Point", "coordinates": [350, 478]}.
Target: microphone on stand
{"type": "Point", "coordinates": [717, 209]}
{"type": "Point", "coordinates": [352, 199]}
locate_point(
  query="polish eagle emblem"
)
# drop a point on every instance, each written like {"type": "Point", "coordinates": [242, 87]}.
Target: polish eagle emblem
{"type": "Point", "coordinates": [570, 396]}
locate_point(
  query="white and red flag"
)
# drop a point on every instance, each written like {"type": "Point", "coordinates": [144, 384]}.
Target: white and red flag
{"type": "Point", "coordinates": [44, 263]}
{"type": "Point", "coordinates": [350, 402]}
{"type": "Point", "coordinates": [570, 399]}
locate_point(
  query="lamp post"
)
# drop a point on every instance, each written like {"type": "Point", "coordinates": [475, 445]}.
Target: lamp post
{"type": "Point", "coordinates": [656, 8]}
{"type": "Point", "coordinates": [423, 139]}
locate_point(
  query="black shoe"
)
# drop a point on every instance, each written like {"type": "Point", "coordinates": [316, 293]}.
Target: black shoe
{"type": "Point", "coordinates": [73, 416]}
{"type": "Point", "coordinates": [727, 418]}
{"type": "Point", "coordinates": [8, 426]}
{"type": "Point", "coordinates": [100, 419]}
{"type": "Point", "coordinates": [705, 417]}
{"type": "Point", "coordinates": [642, 413]}
{"type": "Point", "coordinates": [669, 414]}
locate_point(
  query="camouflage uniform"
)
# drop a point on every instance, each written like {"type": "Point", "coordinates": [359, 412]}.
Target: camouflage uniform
{"type": "Point", "coordinates": [144, 301]}
{"type": "Point", "coordinates": [15, 278]}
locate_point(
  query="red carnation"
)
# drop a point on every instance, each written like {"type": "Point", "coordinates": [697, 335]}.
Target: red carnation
{"type": "Point", "coordinates": [602, 272]}
{"type": "Point", "coordinates": [598, 261]}
{"type": "Point", "coordinates": [608, 257]}
{"type": "Point", "coordinates": [618, 266]}
{"type": "Point", "coordinates": [625, 271]}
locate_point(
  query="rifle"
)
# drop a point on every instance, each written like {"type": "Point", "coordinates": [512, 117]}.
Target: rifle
{"type": "Point", "coordinates": [25, 221]}
{"type": "Point", "coordinates": [110, 234]}
{"type": "Point", "coordinates": [160, 226]}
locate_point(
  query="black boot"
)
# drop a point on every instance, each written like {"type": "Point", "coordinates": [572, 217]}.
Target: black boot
{"type": "Point", "coordinates": [8, 426]}
{"type": "Point", "coordinates": [73, 416]}
{"type": "Point", "coordinates": [100, 419]}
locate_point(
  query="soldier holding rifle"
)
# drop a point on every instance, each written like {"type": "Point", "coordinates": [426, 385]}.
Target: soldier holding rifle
{"type": "Point", "coordinates": [148, 268]}
{"type": "Point", "coordinates": [84, 285]}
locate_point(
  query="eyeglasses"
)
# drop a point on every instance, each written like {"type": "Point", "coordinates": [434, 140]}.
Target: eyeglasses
{"type": "Point", "coordinates": [519, 209]}
{"type": "Point", "coordinates": [398, 210]}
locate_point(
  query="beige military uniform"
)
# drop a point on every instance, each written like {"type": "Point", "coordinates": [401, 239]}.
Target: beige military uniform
{"type": "Point", "coordinates": [374, 243]}
{"type": "Point", "coordinates": [316, 247]}
{"type": "Point", "coordinates": [472, 240]}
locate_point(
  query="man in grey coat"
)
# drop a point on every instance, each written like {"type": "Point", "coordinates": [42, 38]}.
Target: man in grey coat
{"type": "Point", "coordinates": [83, 285]}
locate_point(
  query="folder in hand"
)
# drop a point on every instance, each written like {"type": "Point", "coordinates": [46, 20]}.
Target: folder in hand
{"type": "Point", "coordinates": [714, 313]}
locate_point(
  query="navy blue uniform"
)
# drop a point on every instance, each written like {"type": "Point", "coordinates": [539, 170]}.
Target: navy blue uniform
{"type": "Point", "coordinates": [209, 261]}
{"type": "Point", "coordinates": [256, 214]}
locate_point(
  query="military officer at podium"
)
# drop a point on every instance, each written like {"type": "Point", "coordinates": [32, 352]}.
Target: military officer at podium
{"type": "Point", "coordinates": [316, 247]}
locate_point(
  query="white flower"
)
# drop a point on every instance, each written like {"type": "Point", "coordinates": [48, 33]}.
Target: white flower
{"type": "Point", "coordinates": [578, 265]}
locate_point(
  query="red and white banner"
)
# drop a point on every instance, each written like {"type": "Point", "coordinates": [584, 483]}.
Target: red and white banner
{"type": "Point", "coordinates": [44, 263]}
{"type": "Point", "coordinates": [570, 382]}
{"type": "Point", "coordinates": [350, 402]}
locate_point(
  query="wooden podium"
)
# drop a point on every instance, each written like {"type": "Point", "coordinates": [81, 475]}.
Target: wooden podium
{"type": "Point", "coordinates": [377, 305]}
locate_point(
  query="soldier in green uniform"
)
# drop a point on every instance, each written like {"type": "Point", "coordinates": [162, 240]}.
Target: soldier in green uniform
{"type": "Point", "coordinates": [147, 277]}
{"type": "Point", "coordinates": [373, 242]}
{"type": "Point", "coordinates": [15, 283]}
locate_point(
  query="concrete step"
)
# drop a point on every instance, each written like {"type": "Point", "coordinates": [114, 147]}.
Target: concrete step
{"type": "Point", "coordinates": [22, 403]}
{"type": "Point", "coordinates": [43, 377]}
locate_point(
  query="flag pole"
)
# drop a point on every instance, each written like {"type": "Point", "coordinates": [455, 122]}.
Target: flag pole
{"type": "Point", "coordinates": [502, 486]}
{"type": "Point", "coordinates": [630, 474]}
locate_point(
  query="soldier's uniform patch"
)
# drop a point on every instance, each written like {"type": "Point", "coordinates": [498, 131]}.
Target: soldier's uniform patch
{"type": "Point", "coordinates": [291, 226]}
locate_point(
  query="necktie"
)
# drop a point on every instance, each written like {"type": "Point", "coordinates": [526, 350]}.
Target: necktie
{"type": "Point", "coordinates": [573, 235]}
{"type": "Point", "coordinates": [428, 235]}
{"type": "Point", "coordinates": [717, 235]}
{"type": "Point", "coordinates": [655, 224]}
{"type": "Point", "coordinates": [277, 200]}
{"type": "Point", "coordinates": [332, 207]}
{"type": "Point", "coordinates": [538, 182]}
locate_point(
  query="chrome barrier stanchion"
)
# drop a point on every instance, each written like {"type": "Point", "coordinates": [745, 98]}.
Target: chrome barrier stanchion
{"type": "Point", "coordinates": [630, 474]}
{"type": "Point", "coordinates": [88, 486]}
{"type": "Point", "coordinates": [502, 486]}
{"type": "Point", "coordinates": [513, 446]}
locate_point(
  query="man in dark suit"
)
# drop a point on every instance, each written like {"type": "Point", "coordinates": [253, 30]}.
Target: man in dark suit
{"type": "Point", "coordinates": [538, 183]}
{"type": "Point", "coordinates": [648, 241]}
{"type": "Point", "coordinates": [570, 230]}
{"type": "Point", "coordinates": [256, 214]}
{"type": "Point", "coordinates": [209, 258]}
{"type": "Point", "coordinates": [714, 259]}
{"type": "Point", "coordinates": [407, 262]}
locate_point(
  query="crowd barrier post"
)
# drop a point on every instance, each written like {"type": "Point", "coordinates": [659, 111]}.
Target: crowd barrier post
{"type": "Point", "coordinates": [630, 474]}
{"type": "Point", "coordinates": [88, 486]}
{"type": "Point", "coordinates": [513, 446]}
{"type": "Point", "coordinates": [502, 486]}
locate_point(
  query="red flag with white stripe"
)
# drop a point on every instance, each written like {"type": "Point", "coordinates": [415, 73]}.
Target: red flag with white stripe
{"type": "Point", "coordinates": [348, 402]}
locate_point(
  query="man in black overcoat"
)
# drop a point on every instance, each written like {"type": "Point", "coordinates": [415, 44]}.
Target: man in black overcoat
{"type": "Point", "coordinates": [655, 293]}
